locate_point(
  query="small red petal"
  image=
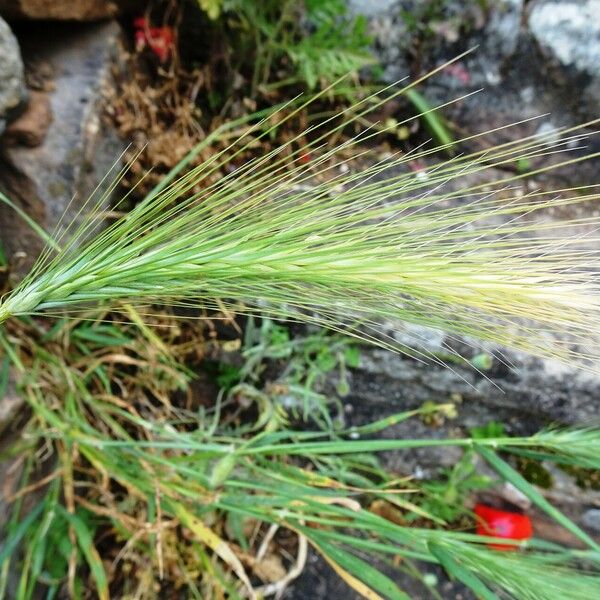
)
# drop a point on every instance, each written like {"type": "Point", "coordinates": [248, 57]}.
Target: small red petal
{"type": "Point", "coordinates": [459, 72]}
{"type": "Point", "coordinates": [158, 39]}
{"type": "Point", "coordinates": [166, 33]}
{"type": "Point", "coordinates": [503, 524]}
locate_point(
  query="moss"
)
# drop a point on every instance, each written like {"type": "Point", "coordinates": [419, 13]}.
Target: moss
{"type": "Point", "coordinates": [534, 472]}
{"type": "Point", "coordinates": [587, 479]}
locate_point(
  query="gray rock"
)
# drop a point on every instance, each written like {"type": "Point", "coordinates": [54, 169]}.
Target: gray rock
{"type": "Point", "coordinates": [391, 38]}
{"type": "Point", "coordinates": [591, 519]}
{"type": "Point", "coordinates": [498, 40]}
{"type": "Point", "coordinates": [12, 88]}
{"type": "Point", "coordinates": [372, 9]}
{"type": "Point", "coordinates": [493, 34]}
{"type": "Point", "coordinates": [399, 26]}
{"type": "Point", "coordinates": [78, 150]}
{"type": "Point", "coordinates": [568, 33]}
{"type": "Point", "coordinates": [529, 59]}
{"type": "Point", "coordinates": [522, 392]}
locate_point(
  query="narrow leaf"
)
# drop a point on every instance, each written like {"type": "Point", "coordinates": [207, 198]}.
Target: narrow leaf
{"type": "Point", "coordinates": [47, 238]}
{"type": "Point", "coordinates": [86, 544]}
{"type": "Point", "coordinates": [455, 569]}
{"type": "Point", "coordinates": [12, 541]}
{"type": "Point", "coordinates": [357, 573]}
{"type": "Point", "coordinates": [512, 476]}
{"type": "Point", "coordinates": [432, 119]}
{"type": "Point", "coordinates": [208, 537]}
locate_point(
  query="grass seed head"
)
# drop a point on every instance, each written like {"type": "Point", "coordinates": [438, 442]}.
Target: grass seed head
{"type": "Point", "coordinates": [316, 242]}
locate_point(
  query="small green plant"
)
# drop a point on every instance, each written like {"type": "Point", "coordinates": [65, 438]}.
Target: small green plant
{"type": "Point", "coordinates": [446, 498]}
{"type": "Point", "coordinates": [302, 365]}
{"type": "Point", "coordinates": [492, 429]}
{"type": "Point", "coordinates": [312, 42]}
{"type": "Point", "coordinates": [336, 44]}
{"type": "Point", "coordinates": [211, 7]}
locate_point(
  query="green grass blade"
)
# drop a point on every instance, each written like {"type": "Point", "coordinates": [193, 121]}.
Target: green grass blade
{"type": "Point", "coordinates": [86, 544]}
{"type": "Point", "coordinates": [4, 375]}
{"type": "Point", "coordinates": [433, 120]}
{"type": "Point", "coordinates": [42, 234]}
{"type": "Point", "coordinates": [455, 569]}
{"type": "Point", "coordinates": [107, 336]}
{"type": "Point", "coordinates": [12, 541]}
{"type": "Point", "coordinates": [512, 476]}
{"type": "Point", "coordinates": [361, 570]}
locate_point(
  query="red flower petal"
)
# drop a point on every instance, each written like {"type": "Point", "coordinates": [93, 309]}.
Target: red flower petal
{"type": "Point", "coordinates": [503, 524]}
{"type": "Point", "coordinates": [160, 40]}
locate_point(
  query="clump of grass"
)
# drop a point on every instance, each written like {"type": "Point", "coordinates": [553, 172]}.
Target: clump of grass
{"type": "Point", "coordinates": [144, 493]}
